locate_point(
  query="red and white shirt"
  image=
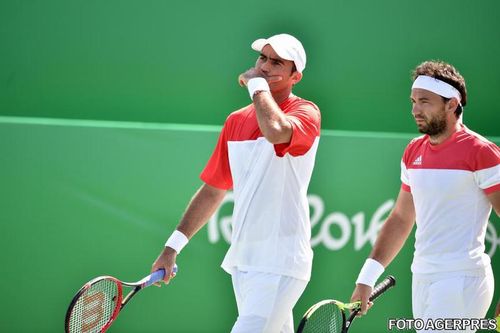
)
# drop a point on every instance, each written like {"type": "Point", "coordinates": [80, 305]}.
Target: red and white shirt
{"type": "Point", "coordinates": [449, 183]}
{"type": "Point", "coordinates": [271, 229]}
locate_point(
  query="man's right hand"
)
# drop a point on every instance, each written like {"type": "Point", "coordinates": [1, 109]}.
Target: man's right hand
{"type": "Point", "coordinates": [166, 261]}
{"type": "Point", "coordinates": [362, 293]}
{"type": "Point", "coordinates": [253, 73]}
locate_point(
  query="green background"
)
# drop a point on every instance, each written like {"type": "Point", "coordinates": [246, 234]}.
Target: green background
{"type": "Point", "coordinates": [82, 198]}
{"type": "Point", "coordinates": [178, 61]}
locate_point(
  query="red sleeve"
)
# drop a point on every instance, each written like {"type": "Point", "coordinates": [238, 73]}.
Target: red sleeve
{"type": "Point", "coordinates": [487, 156]}
{"type": "Point", "coordinates": [217, 172]}
{"type": "Point", "coordinates": [411, 148]}
{"type": "Point", "coordinates": [306, 123]}
{"type": "Point", "coordinates": [404, 172]}
{"type": "Point", "coordinates": [493, 189]}
{"type": "Point", "coordinates": [405, 162]}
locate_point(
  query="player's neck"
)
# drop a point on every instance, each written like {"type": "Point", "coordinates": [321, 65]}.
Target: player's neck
{"type": "Point", "coordinates": [281, 96]}
{"type": "Point", "coordinates": [446, 134]}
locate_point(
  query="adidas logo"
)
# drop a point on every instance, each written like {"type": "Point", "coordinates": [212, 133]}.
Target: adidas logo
{"type": "Point", "coordinates": [418, 161]}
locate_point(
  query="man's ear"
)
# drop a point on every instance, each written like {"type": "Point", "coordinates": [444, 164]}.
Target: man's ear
{"type": "Point", "coordinates": [296, 77]}
{"type": "Point", "coordinates": [452, 105]}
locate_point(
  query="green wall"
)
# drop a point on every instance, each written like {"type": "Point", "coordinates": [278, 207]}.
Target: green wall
{"type": "Point", "coordinates": [79, 199]}
{"type": "Point", "coordinates": [178, 61]}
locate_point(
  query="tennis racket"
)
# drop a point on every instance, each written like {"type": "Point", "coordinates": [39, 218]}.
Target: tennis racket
{"type": "Point", "coordinates": [97, 304]}
{"type": "Point", "coordinates": [329, 316]}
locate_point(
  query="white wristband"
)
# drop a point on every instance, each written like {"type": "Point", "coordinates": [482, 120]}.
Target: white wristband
{"type": "Point", "coordinates": [257, 84]}
{"type": "Point", "coordinates": [177, 241]}
{"type": "Point", "coordinates": [370, 272]}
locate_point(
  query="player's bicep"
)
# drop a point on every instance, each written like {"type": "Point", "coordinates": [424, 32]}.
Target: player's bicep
{"type": "Point", "coordinates": [213, 193]}
{"type": "Point", "coordinates": [404, 209]}
{"type": "Point", "coordinates": [304, 128]}
{"type": "Point", "coordinates": [494, 198]}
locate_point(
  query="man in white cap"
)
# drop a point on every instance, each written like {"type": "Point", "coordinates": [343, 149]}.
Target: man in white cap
{"type": "Point", "coordinates": [266, 154]}
{"type": "Point", "coordinates": [450, 181]}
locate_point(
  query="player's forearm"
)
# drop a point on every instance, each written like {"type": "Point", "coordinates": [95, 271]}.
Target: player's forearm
{"type": "Point", "coordinates": [201, 207]}
{"type": "Point", "coordinates": [391, 239]}
{"type": "Point", "coordinates": [273, 123]}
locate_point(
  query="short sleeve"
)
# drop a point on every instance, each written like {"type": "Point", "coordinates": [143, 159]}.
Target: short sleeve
{"type": "Point", "coordinates": [487, 165]}
{"type": "Point", "coordinates": [405, 177]}
{"type": "Point", "coordinates": [217, 172]}
{"type": "Point", "coordinates": [405, 181]}
{"type": "Point", "coordinates": [306, 124]}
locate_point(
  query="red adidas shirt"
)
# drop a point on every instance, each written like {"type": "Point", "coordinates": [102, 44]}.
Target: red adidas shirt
{"type": "Point", "coordinates": [271, 230]}
{"type": "Point", "coordinates": [242, 125]}
{"type": "Point", "coordinates": [449, 183]}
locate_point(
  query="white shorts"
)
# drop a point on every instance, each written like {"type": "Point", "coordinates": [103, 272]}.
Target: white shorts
{"type": "Point", "coordinates": [265, 302]}
{"type": "Point", "coordinates": [452, 297]}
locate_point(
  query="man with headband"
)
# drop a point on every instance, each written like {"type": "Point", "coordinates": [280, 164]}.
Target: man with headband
{"type": "Point", "coordinates": [266, 154]}
{"type": "Point", "coordinates": [450, 181]}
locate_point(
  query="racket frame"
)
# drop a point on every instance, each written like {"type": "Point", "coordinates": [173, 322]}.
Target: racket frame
{"type": "Point", "coordinates": [355, 307]}
{"type": "Point", "coordinates": [120, 302]}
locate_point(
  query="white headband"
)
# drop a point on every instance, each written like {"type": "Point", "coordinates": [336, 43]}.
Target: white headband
{"type": "Point", "coordinates": [436, 86]}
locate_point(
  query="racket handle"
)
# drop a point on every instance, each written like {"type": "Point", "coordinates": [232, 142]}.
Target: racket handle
{"type": "Point", "coordinates": [380, 288]}
{"type": "Point", "coordinates": [155, 277]}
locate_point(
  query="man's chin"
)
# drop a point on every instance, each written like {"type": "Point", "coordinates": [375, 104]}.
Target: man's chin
{"type": "Point", "coordinates": [422, 129]}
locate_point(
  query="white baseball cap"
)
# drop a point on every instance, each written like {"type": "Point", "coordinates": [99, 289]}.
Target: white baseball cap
{"type": "Point", "coordinates": [286, 46]}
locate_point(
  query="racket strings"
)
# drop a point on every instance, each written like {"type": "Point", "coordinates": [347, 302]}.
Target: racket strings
{"type": "Point", "coordinates": [95, 307]}
{"type": "Point", "coordinates": [326, 319]}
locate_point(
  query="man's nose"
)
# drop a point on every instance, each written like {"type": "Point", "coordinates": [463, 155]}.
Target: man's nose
{"type": "Point", "coordinates": [415, 109]}
{"type": "Point", "coordinates": [264, 66]}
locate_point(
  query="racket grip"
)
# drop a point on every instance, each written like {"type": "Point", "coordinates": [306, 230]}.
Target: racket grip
{"type": "Point", "coordinates": [155, 277]}
{"type": "Point", "coordinates": [380, 288]}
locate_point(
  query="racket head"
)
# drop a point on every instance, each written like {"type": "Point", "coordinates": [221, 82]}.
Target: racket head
{"type": "Point", "coordinates": [95, 306]}
{"type": "Point", "coordinates": [326, 317]}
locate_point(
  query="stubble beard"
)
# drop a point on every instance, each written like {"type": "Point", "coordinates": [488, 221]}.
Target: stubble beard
{"type": "Point", "coordinates": [434, 126]}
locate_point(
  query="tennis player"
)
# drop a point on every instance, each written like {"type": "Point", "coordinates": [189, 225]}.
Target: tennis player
{"type": "Point", "coordinates": [450, 181]}
{"type": "Point", "coordinates": [266, 154]}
